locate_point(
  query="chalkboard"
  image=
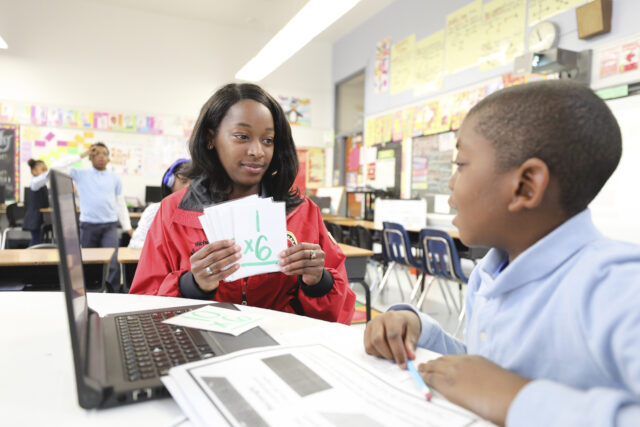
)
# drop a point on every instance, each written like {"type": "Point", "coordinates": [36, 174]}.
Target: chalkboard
{"type": "Point", "coordinates": [8, 141]}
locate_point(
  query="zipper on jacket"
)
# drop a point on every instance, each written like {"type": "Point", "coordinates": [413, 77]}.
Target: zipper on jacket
{"type": "Point", "coordinates": [244, 291]}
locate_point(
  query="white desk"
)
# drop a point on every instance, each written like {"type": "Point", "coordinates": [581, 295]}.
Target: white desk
{"type": "Point", "coordinates": [38, 382]}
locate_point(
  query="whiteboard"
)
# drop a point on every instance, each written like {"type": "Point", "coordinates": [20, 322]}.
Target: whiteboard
{"type": "Point", "coordinates": [616, 209]}
{"type": "Point", "coordinates": [138, 159]}
{"type": "Point", "coordinates": [411, 214]}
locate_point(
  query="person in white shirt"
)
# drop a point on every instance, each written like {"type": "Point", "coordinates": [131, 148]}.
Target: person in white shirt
{"type": "Point", "coordinates": [174, 179]}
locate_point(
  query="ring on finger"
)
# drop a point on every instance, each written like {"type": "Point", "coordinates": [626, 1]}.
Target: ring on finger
{"type": "Point", "coordinates": [313, 255]}
{"type": "Point", "coordinates": [209, 271]}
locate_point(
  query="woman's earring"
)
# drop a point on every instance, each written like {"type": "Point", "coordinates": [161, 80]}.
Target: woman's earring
{"type": "Point", "coordinates": [275, 172]}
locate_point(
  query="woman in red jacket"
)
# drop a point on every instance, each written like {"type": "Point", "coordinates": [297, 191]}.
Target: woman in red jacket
{"type": "Point", "coordinates": [242, 145]}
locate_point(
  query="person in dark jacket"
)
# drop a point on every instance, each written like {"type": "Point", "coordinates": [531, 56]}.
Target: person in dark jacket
{"type": "Point", "coordinates": [36, 200]}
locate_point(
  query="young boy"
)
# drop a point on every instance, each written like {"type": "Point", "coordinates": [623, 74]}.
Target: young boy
{"type": "Point", "coordinates": [102, 204]}
{"type": "Point", "coordinates": [553, 310]}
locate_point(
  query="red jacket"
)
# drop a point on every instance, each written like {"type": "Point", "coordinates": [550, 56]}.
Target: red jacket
{"type": "Point", "coordinates": [176, 234]}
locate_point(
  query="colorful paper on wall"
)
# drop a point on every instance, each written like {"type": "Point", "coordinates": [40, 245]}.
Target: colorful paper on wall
{"type": "Point", "coordinates": [504, 30]}
{"type": "Point", "coordinates": [387, 121]}
{"type": "Point", "coordinates": [315, 167]}
{"type": "Point", "coordinates": [407, 120]}
{"type": "Point", "coordinates": [398, 127]}
{"type": "Point", "coordinates": [464, 32]}
{"type": "Point", "coordinates": [381, 67]}
{"type": "Point", "coordinates": [369, 132]}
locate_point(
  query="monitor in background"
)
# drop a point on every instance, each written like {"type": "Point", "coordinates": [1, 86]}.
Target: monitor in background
{"type": "Point", "coordinates": [324, 203]}
{"type": "Point", "coordinates": [152, 194]}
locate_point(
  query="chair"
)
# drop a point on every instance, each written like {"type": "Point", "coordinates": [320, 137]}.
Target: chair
{"type": "Point", "coordinates": [43, 246]}
{"type": "Point", "coordinates": [396, 249]}
{"type": "Point", "coordinates": [440, 258]}
{"type": "Point", "coordinates": [15, 215]}
{"type": "Point", "coordinates": [335, 230]}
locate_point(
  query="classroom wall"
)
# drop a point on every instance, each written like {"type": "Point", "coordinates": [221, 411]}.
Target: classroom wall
{"type": "Point", "coordinates": [96, 56]}
{"type": "Point", "coordinates": [615, 210]}
{"type": "Point", "coordinates": [402, 18]}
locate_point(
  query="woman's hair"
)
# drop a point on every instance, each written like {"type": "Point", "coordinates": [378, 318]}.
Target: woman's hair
{"type": "Point", "coordinates": [278, 178]}
{"type": "Point", "coordinates": [33, 163]}
{"type": "Point", "coordinates": [180, 168]}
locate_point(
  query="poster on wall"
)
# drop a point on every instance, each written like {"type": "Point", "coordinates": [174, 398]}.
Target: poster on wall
{"type": "Point", "coordinates": [504, 28]}
{"type": "Point", "coordinates": [463, 35]}
{"type": "Point", "coordinates": [296, 110]}
{"type": "Point", "coordinates": [301, 178]}
{"type": "Point", "coordinates": [315, 167]}
{"type": "Point", "coordinates": [381, 67]}
{"type": "Point", "coordinates": [9, 173]}
{"type": "Point", "coordinates": [402, 66]}
{"type": "Point", "coordinates": [540, 10]}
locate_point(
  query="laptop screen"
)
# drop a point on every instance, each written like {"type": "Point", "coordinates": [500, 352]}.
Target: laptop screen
{"type": "Point", "coordinates": [71, 273]}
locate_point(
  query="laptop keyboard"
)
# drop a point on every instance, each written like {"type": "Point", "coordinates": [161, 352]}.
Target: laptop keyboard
{"type": "Point", "coordinates": [150, 348]}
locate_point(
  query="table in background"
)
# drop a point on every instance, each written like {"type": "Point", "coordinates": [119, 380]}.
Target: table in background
{"type": "Point", "coordinates": [39, 267]}
{"type": "Point", "coordinates": [370, 225]}
{"type": "Point", "coordinates": [464, 250]}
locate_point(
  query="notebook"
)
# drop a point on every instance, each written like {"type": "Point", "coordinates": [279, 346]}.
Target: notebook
{"type": "Point", "coordinates": [120, 358]}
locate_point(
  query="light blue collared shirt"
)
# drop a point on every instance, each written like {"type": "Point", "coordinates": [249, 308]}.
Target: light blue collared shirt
{"type": "Point", "coordinates": [566, 313]}
{"type": "Point", "coordinates": [98, 191]}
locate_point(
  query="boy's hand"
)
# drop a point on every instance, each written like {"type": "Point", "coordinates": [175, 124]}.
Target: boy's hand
{"type": "Point", "coordinates": [303, 259]}
{"type": "Point", "coordinates": [474, 383]}
{"type": "Point", "coordinates": [86, 152]}
{"type": "Point", "coordinates": [393, 335]}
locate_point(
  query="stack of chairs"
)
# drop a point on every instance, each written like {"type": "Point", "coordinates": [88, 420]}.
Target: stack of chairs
{"type": "Point", "coordinates": [398, 254]}
{"type": "Point", "coordinates": [440, 259]}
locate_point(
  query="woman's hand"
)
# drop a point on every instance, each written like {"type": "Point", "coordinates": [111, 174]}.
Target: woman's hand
{"type": "Point", "coordinates": [208, 262]}
{"type": "Point", "coordinates": [303, 259]}
{"type": "Point", "coordinates": [474, 383]}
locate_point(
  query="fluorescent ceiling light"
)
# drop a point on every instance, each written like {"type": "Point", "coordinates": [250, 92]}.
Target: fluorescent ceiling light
{"type": "Point", "coordinates": [3, 44]}
{"type": "Point", "coordinates": [312, 19]}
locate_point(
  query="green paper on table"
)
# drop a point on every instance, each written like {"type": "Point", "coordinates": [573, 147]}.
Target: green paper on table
{"type": "Point", "coordinates": [217, 320]}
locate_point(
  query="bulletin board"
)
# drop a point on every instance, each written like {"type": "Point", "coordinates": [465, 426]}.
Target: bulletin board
{"type": "Point", "coordinates": [431, 167]}
{"type": "Point", "coordinates": [139, 159]}
{"type": "Point", "coordinates": [9, 178]}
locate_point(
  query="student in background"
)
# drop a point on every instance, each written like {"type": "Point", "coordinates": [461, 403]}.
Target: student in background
{"type": "Point", "coordinates": [174, 179]}
{"type": "Point", "coordinates": [38, 194]}
{"type": "Point", "coordinates": [36, 200]}
{"type": "Point", "coordinates": [553, 319]}
{"type": "Point", "coordinates": [102, 205]}
{"type": "Point", "coordinates": [242, 145]}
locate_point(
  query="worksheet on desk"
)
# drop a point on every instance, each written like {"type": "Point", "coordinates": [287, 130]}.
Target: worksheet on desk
{"type": "Point", "coordinates": [305, 385]}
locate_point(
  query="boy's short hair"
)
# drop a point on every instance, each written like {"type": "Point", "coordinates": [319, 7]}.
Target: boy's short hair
{"type": "Point", "coordinates": [100, 144]}
{"type": "Point", "coordinates": [565, 125]}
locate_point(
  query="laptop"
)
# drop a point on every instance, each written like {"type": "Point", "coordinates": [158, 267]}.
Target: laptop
{"type": "Point", "coordinates": [120, 358]}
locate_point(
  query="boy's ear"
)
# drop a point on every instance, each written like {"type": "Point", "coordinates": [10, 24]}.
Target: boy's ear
{"type": "Point", "coordinates": [532, 180]}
